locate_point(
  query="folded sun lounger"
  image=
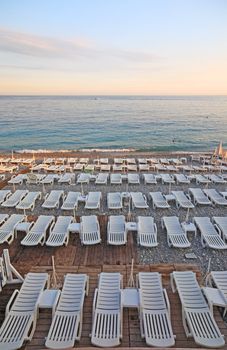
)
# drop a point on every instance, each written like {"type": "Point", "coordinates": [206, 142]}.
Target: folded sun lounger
{"type": "Point", "coordinates": [147, 232]}
{"type": "Point", "coordinates": [198, 321]}
{"type": "Point", "coordinates": [116, 230]}
{"type": "Point", "coordinates": [107, 312]}
{"type": "Point", "coordinates": [66, 326]}
{"type": "Point", "coordinates": [154, 311]}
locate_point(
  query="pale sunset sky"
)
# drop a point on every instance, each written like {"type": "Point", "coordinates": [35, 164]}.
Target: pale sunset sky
{"type": "Point", "coordinates": [119, 47]}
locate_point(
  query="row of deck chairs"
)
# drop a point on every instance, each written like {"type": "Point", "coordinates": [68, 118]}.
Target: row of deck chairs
{"type": "Point", "coordinates": [107, 314]}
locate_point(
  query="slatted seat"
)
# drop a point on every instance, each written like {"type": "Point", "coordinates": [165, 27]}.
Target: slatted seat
{"type": "Point", "coordinates": [221, 223]}
{"type": "Point", "coordinates": [66, 326]}
{"type": "Point", "coordinates": [59, 233]}
{"type": "Point", "coordinates": [176, 237]}
{"type": "Point", "coordinates": [28, 202]}
{"type": "Point", "coordinates": [38, 232]}
{"type": "Point", "coordinates": [107, 311]}
{"type": "Point", "coordinates": [198, 321]}
{"type": "Point", "coordinates": [71, 201]}
{"type": "Point", "coordinates": [93, 200]}
{"type": "Point", "coordinates": [52, 199]}
{"type": "Point", "coordinates": [182, 200]}
{"type": "Point", "coordinates": [158, 200]}
{"type": "Point", "coordinates": [114, 200]}
{"type": "Point", "coordinates": [199, 196]}
{"type": "Point", "coordinates": [139, 200]}
{"type": "Point", "coordinates": [90, 230]}
{"type": "Point", "coordinates": [154, 309]}
{"type": "Point", "coordinates": [116, 230]}
{"type": "Point", "coordinates": [215, 197]}
{"type": "Point", "coordinates": [210, 235]}
{"type": "Point", "coordinates": [147, 232]}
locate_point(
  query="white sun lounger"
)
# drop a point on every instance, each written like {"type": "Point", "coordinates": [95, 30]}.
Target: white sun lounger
{"type": "Point", "coordinates": [130, 161]}
{"type": "Point", "coordinates": [132, 167]}
{"type": "Point", "coordinates": [93, 200]}
{"type": "Point", "coordinates": [52, 199]}
{"type": "Point", "coordinates": [66, 178]}
{"type": "Point", "coordinates": [117, 167]}
{"type": "Point", "coordinates": [181, 179]}
{"type": "Point", "coordinates": [3, 218]}
{"type": "Point", "coordinates": [219, 279]}
{"type": "Point", "coordinates": [133, 179]}
{"type": "Point", "coordinates": [102, 179]}
{"type": "Point", "coordinates": [158, 200]}
{"type": "Point", "coordinates": [198, 321]}
{"type": "Point", "coordinates": [200, 179]}
{"type": "Point", "coordinates": [4, 194]}
{"type": "Point", "coordinates": [216, 179]}
{"type": "Point", "coordinates": [17, 180]}
{"type": "Point", "coordinates": [7, 230]}
{"type": "Point", "coordinates": [49, 179]}
{"type": "Point", "coordinates": [139, 200]}
{"type": "Point", "coordinates": [14, 199]}
{"type": "Point", "coordinates": [118, 161]}
{"type": "Point", "coordinates": [107, 311]}
{"type": "Point", "coordinates": [167, 179]}
{"type": "Point", "coordinates": [215, 197]}
{"type": "Point", "coordinates": [38, 232]}
{"type": "Point", "coordinates": [78, 167]}
{"type": "Point", "coordinates": [155, 324]}
{"type": "Point", "coordinates": [34, 179]}
{"type": "Point", "coordinates": [150, 179]}
{"type": "Point", "coordinates": [20, 321]}
{"type": "Point", "coordinates": [176, 236]}
{"type": "Point", "coordinates": [198, 196]}
{"type": "Point", "coordinates": [83, 178]}
{"type": "Point", "coordinates": [59, 233]}
{"type": "Point", "coordinates": [105, 167]}
{"type": "Point", "coordinates": [182, 200]}
{"type": "Point", "coordinates": [114, 200]}
{"type": "Point", "coordinates": [28, 202]}
{"type": "Point", "coordinates": [116, 230]}
{"type": "Point", "coordinates": [71, 201]}
{"type": "Point", "coordinates": [210, 235]}
{"type": "Point", "coordinates": [115, 179]}
{"type": "Point", "coordinates": [90, 230]}
{"type": "Point", "coordinates": [147, 232]}
{"type": "Point", "coordinates": [221, 222]}
{"type": "Point", "coordinates": [144, 167]}
{"type": "Point", "coordinates": [66, 326]}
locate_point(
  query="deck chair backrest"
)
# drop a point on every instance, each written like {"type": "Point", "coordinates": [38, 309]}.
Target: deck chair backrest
{"type": "Point", "coordinates": [151, 291]}
{"type": "Point", "coordinates": [109, 291]}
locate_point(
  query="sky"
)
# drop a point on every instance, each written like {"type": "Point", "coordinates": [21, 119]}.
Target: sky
{"type": "Point", "coordinates": [113, 47]}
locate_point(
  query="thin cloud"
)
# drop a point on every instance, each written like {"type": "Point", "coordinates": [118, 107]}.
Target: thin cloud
{"type": "Point", "coordinates": [47, 47]}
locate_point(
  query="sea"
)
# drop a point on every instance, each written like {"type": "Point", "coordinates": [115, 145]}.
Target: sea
{"type": "Point", "coordinates": [146, 123]}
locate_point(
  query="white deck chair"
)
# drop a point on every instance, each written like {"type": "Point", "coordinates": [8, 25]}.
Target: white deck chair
{"type": "Point", "coordinates": [215, 197]}
{"type": "Point", "coordinates": [139, 200]}
{"type": "Point", "coordinates": [17, 180]}
{"type": "Point", "coordinates": [167, 179]}
{"type": "Point", "coordinates": [115, 179]}
{"type": "Point", "coordinates": [102, 179]}
{"type": "Point", "coordinates": [66, 326]}
{"type": "Point", "coordinates": [71, 201]}
{"type": "Point", "coordinates": [7, 230]}
{"type": "Point", "coordinates": [198, 321]}
{"type": "Point", "coordinates": [150, 179]}
{"type": "Point", "coordinates": [105, 167]}
{"type": "Point", "coordinates": [89, 230]}
{"type": "Point", "coordinates": [28, 202]}
{"type": "Point", "coordinates": [20, 321]}
{"type": "Point", "coordinates": [200, 179]}
{"type": "Point", "coordinates": [78, 167]}
{"type": "Point", "coordinates": [117, 167]}
{"type": "Point", "coordinates": [118, 160]}
{"type": "Point", "coordinates": [52, 199]}
{"type": "Point", "coordinates": [144, 167]}
{"type": "Point", "coordinates": [158, 200]}
{"type": "Point", "coordinates": [216, 179]}
{"type": "Point", "coordinates": [59, 233]}
{"type": "Point", "coordinates": [14, 199]}
{"type": "Point", "coordinates": [142, 161]}
{"type": "Point", "coordinates": [182, 200]}
{"type": "Point", "coordinates": [221, 222]}
{"type": "Point", "coordinates": [66, 178]}
{"type": "Point", "coordinates": [147, 232]}
{"type": "Point", "coordinates": [176, 236]}
{"type": "Point", "coordinates": [132, 167]}
{"type": "Point", "coordinates": [4, 194]}
{"type": "Point", "coordinates": [219, 279]}
{"type": "Point", "coordinates": [155, 324]}
{"type": "Point", "coordinates": [3, 218]}
{"type": "Point", "coordinates": [116, 230]}
{"type": "Point", "coordinates": [133, 179]}
{"type": "Point", "coordinates": [181, 179]}
{"type": "Point", "coordinates": [83, 178]}
{"type": "Point", "coordinates": [199, 197]}
{"type": "Point", "coordinates": [34, 179]}
{"type": "Point", "coordinates": [210, 235]}
{"type": "Point", "coordinates": [38, 232]}
{"type": "Point", "coordinates": [93, 200]}
{"type": "Point", "coordinates": [49, 179]}
{"type": "Point", "coordinates": [130, 161]}
{"type": "Point", "coordinates": [114, 200]}
{"type": "Point", "coordinates": [107, 311]}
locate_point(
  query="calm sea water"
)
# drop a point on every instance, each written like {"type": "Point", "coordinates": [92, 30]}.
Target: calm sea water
{"type": "Point", "coordinates": [145, 123]}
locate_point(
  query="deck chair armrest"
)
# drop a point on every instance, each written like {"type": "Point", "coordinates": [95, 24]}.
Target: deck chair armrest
{"type": "Point", "coordinates": [208, 280]}
{"type": "Point", "coordinates": [145, 199]}
{"type": "Point", "coordinates": [52, 226]}
{"type": "Point", "coordinates": [11, 301]}
{"type": "Point", "coordinates": [46, 196]}
{"type": "Point", "coordinates": [94, 302]}
{"type": "Point", "coordinates": [188, 196]}
{"type": "Point", "coordinates": [172, 282]}
{"type": "Point", "coordinates": [167, 301]}
{"type": "Point", "coordinates": [218, 229]}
